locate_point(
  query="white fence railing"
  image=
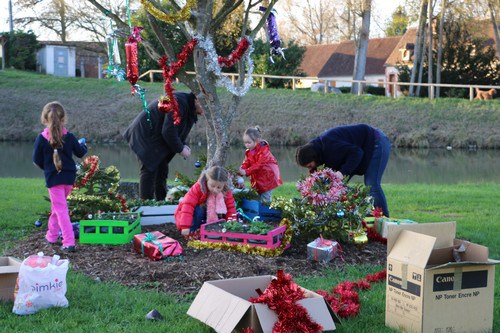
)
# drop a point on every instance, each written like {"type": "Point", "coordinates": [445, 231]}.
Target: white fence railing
{"type": "Point", "coordinates": [360, 83]}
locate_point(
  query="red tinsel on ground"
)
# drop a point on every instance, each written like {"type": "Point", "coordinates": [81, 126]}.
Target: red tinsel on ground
{"type": "Point", "coordinates": [240, 50]}
{"type": "Point", "coordinates": [169, 103]}
{"type": "Point", "coordinates": [281, 296]}
{"type": "Point", "coordinates": [344, 299]}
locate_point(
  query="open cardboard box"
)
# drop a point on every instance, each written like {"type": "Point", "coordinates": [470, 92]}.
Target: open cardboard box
{"type": "Point", "coordinates": [9, 270]}
{"type": "Point", "coordinates": [224, 306]}
{"type": "Point", "coordinates": [436, 283]}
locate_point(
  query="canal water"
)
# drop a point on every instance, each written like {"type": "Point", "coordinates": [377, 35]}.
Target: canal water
{"type": "Point", "coordinates": [433, 166]}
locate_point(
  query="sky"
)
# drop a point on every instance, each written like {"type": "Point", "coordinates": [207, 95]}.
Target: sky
{"type": "Point", "coordinates": [382, 12]}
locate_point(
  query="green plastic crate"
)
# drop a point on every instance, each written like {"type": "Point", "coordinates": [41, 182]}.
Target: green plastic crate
{"type": "Point", "coordinates": [109, 231]}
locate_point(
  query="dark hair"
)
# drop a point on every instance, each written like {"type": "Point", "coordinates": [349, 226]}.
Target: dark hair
{"type": "Point", "coordinates": [306, 154]}
{"type": "Point", "coordinates": [254, 133]}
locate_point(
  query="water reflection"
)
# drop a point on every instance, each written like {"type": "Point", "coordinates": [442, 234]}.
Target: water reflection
{"type": "Point", "coordinates": [405, 166]}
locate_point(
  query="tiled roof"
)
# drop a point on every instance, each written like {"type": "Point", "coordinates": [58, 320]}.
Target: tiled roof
{"type": "Point", "coordinates": [341, 62]}
{"type": "Point", "coordinates": [315, 58]}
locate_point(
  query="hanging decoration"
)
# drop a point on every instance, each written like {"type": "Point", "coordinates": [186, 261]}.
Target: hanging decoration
{"type": "Point", "coordinates": [213, 65]}
{"type": "Point", "coordinates": [281, 295]}
{"type": "Point", "coordinates": [168, 102]}
{"type": "Point", "coordinates": [182, 15]}
{"type": "Point", "coordinates": [114, 60]}
{"type": "Point", "coordinates": [132, 55]}
{"type": "Point", "coordinates": [272, 34]}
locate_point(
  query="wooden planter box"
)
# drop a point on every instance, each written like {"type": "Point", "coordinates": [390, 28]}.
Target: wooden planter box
{"type": "Point", "coordinates": [271, 240]}
{"type": "Point", "coordinates": [109, 231]}
{"type": "Point", "coordinates": [157, 214]}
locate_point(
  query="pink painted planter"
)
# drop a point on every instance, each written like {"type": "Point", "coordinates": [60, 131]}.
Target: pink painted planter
{"type": "Point", "coordinates": [271, 240]}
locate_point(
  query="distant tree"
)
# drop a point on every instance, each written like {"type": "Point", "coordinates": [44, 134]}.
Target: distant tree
{"type": "Point", "coordinates": [21, 50]}
{"type": "Point", "coordinates": [283, 67]}
{"type": "Point", "coordinates": [311, 22]}
{"type": "Point", "coordinates": [465, 60]}
{"type": "Point", "coordinates": [398, 24]}
{"type": "Point", "coordinates": [54, 15]}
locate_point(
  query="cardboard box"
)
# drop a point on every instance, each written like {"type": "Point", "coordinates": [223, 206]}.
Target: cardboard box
{"type": "Point", "coordinates": [433, 287]}
{"type": "Point", "coordinates": [381, 224]}
{"type": "Point", "coordinates": [157, 214]}
{"type": "Point", "coordinates": [9, 269]}
{"type": "Point", "coordinates": [322, 250]}
{"type": "Point", "coordinates": [224, 306]}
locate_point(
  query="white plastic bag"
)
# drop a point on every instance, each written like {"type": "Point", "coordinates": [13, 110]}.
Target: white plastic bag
{"type": "Point", "coordinates": [41, 284]}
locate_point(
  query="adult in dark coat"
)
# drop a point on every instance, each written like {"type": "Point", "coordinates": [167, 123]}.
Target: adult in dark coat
{"type": "Point", "coordinates": [351, 150]}
{"type": "Point", "coordinates": [156, 142]}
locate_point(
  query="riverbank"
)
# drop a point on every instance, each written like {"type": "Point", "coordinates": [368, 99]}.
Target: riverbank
{"type": "Point", "coordinates": [100, 110]}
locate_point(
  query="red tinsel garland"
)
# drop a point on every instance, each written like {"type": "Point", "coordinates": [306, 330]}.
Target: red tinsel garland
{"type": "Point", "coordinates": [169, 103]}
{"type": "Point", "coordinates": [373, 235]}
{"type": "Point", "coordinates": [281, 296]}
{"type": "Point", "coordinates": [94, 166]}
{"type": "Point", "coordinates": [236, 55]}
{"type": "Point", "coordinates": [132, 56]}
{"type": "Point", "coordinates": [344, 300]}
{"type": "Point", "coordinates": [122, 200]}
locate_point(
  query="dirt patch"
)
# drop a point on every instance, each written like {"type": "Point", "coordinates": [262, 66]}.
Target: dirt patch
{"type": "Point", "coordinates": [180, 276]}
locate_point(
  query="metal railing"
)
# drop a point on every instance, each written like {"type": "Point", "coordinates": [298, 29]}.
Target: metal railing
{"type": "Point", "coordinates": [360, 83]}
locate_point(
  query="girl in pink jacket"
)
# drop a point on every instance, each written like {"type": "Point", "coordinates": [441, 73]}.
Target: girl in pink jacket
{"type": "Point", "coordinates": [206, 201]}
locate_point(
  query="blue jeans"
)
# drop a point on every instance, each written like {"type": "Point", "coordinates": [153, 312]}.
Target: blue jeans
{"type": "Point", "coordinates": [199, 217]}
{"type": "Point", "coordinates": [375, 171]}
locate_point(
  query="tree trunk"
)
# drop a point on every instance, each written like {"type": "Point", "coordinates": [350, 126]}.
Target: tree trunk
{"type": "Point", "coordinates": [440, 47]}
{"type": "Point", "coordinates": [430, 31]}
{"type": "Point", "coordinates": [421, 65]}
{"type": "Point", "coordinates": [495, 26]}
{"type": "Point", "coordinates": [362, 47]}
{"type": "Point", "coordinates": [417, 54]}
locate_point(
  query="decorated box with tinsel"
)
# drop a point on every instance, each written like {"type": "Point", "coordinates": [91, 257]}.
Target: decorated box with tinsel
{"type": "Point", "coordinates": [110, 228]}
{"type": "Point", "coordinates": [322, 250]}
{"type": "Point", "coordinates": [381, 224]}
{"type": "Point", "coordinates": [218, 232]}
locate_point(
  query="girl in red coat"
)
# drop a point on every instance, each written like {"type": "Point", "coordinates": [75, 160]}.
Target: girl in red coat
{"type": "Point", "coordinates": [209, 199]}
{"type": "Point", "coordinates": [260, 164]}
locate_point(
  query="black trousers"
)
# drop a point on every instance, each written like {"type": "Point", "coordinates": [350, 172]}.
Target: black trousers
{"type": "Point", "coordinates": [153, 183]}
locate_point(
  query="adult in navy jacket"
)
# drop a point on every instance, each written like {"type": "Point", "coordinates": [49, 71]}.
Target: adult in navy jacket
{"type": "Point", "coordinates": [156, 142]}
{"type": "Point", "coordinates": [351, 150]}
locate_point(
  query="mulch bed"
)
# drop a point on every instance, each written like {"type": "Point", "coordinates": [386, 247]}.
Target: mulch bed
{"type": "Point", "coordinates": [181, 276]}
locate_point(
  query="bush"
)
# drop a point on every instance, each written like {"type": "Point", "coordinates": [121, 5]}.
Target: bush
{"type": "Point", "coordinates": [21, 50]}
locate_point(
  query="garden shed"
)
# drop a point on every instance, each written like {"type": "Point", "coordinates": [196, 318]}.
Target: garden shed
{"type": "Point", "coordinates": [57, 60]}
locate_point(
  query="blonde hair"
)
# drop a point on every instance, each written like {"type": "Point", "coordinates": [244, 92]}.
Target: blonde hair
{"type": "Point", "coordinates": [254, 133]}
{"type": "Point", "coordinates": [53, 116]}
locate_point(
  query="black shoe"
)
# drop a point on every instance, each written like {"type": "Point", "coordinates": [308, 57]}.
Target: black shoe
{"type": "Point", "coordinates": [53, 243]}
{"type": "Point", "coordinates": [68, 248]}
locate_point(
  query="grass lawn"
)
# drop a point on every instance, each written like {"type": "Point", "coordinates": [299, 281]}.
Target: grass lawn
{"type": "Point", "coordinates": [107, 307]}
